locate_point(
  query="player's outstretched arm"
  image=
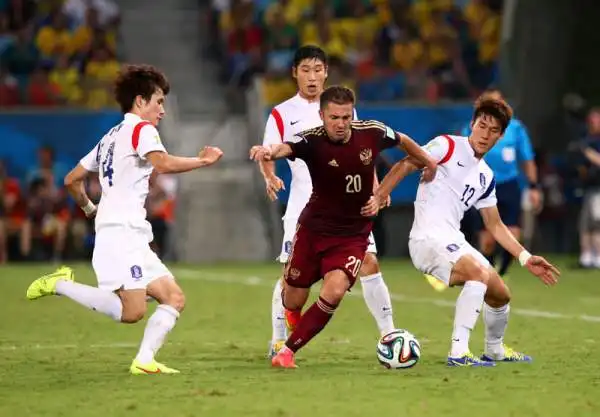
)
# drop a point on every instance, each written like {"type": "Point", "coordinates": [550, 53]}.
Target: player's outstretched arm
{"type": "Point", "coordinates": [273, 183]}
{"type": "Point", "coordinates": [270, 153]}
{"type": "Point", "coordinates": [164, 163]}
{"type": "Point", "coordinates": [74, 182]}
{"type": "Point", "coordinates": [537, 265]}
{"type": "Point", "coordinates": [420, 155]}
{"type": "Point", "coordinates": [397, 173]}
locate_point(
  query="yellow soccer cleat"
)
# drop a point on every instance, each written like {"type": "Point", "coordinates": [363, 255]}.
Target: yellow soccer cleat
{"type": "Point", "coordinates": [435, 283]}
{"type": "Point", "coordinates": [153, 367]}
{"type": "Point", "coordinates": [46, 285]}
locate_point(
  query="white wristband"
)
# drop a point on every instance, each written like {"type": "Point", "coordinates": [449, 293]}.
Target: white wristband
{"type": "Point", "coordinates": [524, 257]}
{"type": "Point", "coordinates": [89, 208]}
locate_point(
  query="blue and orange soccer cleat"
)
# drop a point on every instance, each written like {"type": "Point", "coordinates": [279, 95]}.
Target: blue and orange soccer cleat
{"type": "Point", "coordinates": [468, 359]}
{"type": "Point", "coordinates": [510, 355]}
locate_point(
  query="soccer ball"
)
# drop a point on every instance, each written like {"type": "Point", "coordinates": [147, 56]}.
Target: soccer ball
{"type": "Point", "coordinates": [398, 349]}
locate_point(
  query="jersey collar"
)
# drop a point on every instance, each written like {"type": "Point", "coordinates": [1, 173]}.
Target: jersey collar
{"type": "Point", "coordinates": [132, 117]}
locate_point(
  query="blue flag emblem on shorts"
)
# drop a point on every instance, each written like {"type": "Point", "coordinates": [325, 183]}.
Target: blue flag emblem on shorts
{"type": "Point", "coordinates": [287, 247]}
{"type": "Point", "coordinates": [136, 272]}
{"type": "Point", "coordinates": [453, 247]}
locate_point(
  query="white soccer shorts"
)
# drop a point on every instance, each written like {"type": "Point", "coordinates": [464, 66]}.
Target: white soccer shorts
{"type": "Point", "coordinates": [123, 259]}
{"type": "Point", "coordinates": [289, 230]}
{"type": "Point", "coordinates": [437, 256]}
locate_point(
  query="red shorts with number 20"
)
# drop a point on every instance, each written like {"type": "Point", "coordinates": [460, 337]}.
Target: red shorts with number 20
{"type": "Point", "coordinates": [314, 255]}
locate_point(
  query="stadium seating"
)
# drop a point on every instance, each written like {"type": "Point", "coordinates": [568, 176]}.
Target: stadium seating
{"type": "Point", "coordinates": [388, 50]}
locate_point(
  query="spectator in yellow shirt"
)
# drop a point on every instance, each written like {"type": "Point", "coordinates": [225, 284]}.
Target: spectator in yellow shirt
{"type": "Point", "coordinates": [68, 80]}
{"type": "Point", "coordinates": [100, 72]}
{"type": "Point", "coordinates": [86, 33]}
{"type": "Point", "coordinates": [54, 38]}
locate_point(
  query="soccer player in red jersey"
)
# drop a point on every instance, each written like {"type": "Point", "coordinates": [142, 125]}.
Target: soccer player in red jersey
{"type": "Point", "coordinates": [332, 236]}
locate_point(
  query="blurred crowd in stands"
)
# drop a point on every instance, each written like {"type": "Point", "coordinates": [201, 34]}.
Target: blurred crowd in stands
{"type": "Point", "coordinates": [58, 52]}
{"type": "Point", "coordinates": [384, 49]}
{"type": "Point", "coordinates": [39, 222]}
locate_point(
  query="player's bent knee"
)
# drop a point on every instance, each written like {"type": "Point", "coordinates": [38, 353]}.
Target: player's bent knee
{"type": "Point", "coordinates": [177, 300]}
{"type": "Point", "coordinates": [370, 265]}
{"type": "Point", "coordinates": [335, 286]}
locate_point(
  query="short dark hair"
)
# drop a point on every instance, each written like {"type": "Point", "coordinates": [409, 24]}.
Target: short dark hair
{"type": "Point", "coordinates": [498, 109]}
{"type": "Point", "coordinates": [337, 94]}
{"type": "Point", "coordinates": [309, 52]}
{"type": "Point", "coordinates": [138, 80]}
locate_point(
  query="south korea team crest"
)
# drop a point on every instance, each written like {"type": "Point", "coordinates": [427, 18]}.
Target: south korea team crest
{"type": "Point", "coordinates": [366, 156]}
{"type": "Point", "coordinates": [136, 272]}
{"type": "Point", "coordinates": [482, 179]}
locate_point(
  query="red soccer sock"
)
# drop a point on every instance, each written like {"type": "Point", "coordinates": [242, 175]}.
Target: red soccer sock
{"type": "Point", "coordinates": [311, 323]}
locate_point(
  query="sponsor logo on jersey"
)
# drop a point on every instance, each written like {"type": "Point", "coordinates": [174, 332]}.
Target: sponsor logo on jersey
{"type": "Point", "coordinates": [333, 163]}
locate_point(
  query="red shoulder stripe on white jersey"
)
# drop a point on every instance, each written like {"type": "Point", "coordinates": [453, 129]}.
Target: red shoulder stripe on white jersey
{"type": "Point", "coordinates": [450, 151]}
{"type": "Point", "coordinates": [279, 121]}
{"type": "Point", "coordinates": [135, 138]}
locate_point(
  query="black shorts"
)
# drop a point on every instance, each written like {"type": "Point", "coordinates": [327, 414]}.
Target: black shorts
{"type": "Point", "coordinates": [509, 202]}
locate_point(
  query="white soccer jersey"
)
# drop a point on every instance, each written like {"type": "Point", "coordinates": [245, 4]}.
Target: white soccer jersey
{"type": "Point", "coordinates": [119, 158]}
{"type": "Point", "coordinates": [462, 181]}
{"type": "Point", "coordinates": [287, 119]}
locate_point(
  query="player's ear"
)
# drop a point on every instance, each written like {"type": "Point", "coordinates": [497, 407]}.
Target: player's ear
{"type": "Point", "coordinates": [138, 101]}
{"type": "Point", "coordinates": [326, 73]}
{"type": "Point", "coordinates": [295, 73]}
{"type": "Point", "coordinates": [472, 125]}
{"type": "Point", "coordinates": [321, 115]}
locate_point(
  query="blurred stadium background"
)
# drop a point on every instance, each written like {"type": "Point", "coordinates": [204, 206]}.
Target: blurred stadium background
{"type": "Point", "coordinates": [415, 65]}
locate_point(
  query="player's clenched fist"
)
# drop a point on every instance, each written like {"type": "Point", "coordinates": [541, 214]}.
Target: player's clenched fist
{"type": "Point", "coordinates": [210, 154]}
{"type": "Point", "coordinates": [260, 153]}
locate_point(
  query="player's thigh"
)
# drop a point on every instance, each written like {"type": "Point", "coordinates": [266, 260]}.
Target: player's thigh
{"type": "Point", "coordinates": [289, 231]}
{"type": "Point", "coordinates": [370, 264]}
{"type": "Point", "coordinates": [441, 258]}
{"type": "Point", "coordinates": [344, 254]}
{"type": "Point", "coordinates": [302, 268]}
{"type": "Point", "coordinates": [470, 265]}
{"type": "Point", "coordinates": [167, 291]}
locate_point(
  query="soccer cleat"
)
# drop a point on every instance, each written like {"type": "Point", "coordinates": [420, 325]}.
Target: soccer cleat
{"type": "Point", "coordinates": [46, 285]}
{"type": "Point", "coordinates": [468, 360]}
{"type": "Point", "coordinates": [275, 347]}
{"type": "Point", "coordinates": [292, 318]}
{"type": "Point", "coordinates": [284, 359]}
{"type": "Point", "coordinates": [153, 367]}
{"type": "Point", "coordinates": [435, 283]}
{"type": "Point", "coordinates": [510, 355]}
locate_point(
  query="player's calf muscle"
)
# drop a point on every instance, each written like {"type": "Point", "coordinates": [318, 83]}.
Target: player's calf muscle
{"type": "Point", "coordinates": [497, 294]}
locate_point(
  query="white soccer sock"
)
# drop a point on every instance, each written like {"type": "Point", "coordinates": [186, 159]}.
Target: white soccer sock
{"type": "Point", "coordinates": [377, 298]}
{"type": "Point", "coordinates": [96, 299]}
{"type": "Point", "coordinates": [468, 307]}
{"type": "Point", "coordinates": [159, 325]}
{"type": "Point", "coordinates": [496, 320]}
{"type": "Point", "coordinates": [278, 315]}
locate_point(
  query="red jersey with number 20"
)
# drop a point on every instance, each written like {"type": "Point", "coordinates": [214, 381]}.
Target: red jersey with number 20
{"type": "Point", "coordinates": [342, 176]}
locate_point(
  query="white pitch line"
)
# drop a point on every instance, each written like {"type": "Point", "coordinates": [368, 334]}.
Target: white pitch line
{"type": "Point", "coordinates": [227, 278]}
